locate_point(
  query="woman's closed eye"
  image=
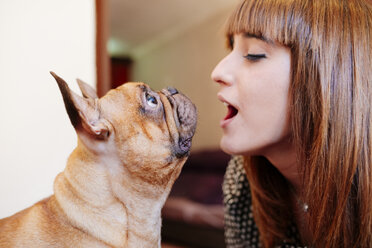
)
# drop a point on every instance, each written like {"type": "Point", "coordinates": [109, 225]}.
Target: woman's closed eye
{"type": "Point", "coordinates": [255, 57]}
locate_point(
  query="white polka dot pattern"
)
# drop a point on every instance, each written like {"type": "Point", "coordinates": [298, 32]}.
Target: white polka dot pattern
{"type": "Point", "coordinates": [240, 228]}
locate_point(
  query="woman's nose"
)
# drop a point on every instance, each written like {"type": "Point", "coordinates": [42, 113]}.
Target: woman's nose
{"type": "Point", "coordinates": [221, 74]}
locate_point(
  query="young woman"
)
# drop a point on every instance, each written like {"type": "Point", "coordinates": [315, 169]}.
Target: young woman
{"type": "Point", "coordinates": [298, 88]}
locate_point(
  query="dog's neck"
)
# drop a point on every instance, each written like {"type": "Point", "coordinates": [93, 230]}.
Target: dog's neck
{"type": "Point", "coordinates": [129, 210]}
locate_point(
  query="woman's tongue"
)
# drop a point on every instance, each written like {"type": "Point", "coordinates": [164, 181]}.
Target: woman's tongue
{"type": "Point", "coordinates": [231, 112]}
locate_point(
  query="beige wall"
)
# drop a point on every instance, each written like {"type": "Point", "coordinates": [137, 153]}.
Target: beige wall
{"type": "Point", "coordinates": [36, 136]}
{"type": "Point", "coordinates": [186, 62]}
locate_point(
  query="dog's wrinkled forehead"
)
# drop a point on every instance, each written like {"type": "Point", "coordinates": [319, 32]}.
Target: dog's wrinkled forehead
{"type": "Point", "coordinates": [125, 92]}
{"type": "Point", "coordinates": [136, 96]}
{"type": "Point", "coordinates": [136, 104]}
{"type": "Point", "coordinates": [128, 91]}
{"type": "Point", "coordinates": [127, 97]}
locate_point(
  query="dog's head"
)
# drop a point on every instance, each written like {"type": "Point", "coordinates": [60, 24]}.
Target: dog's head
{"type": "Point", "coordinates": [148, 132]}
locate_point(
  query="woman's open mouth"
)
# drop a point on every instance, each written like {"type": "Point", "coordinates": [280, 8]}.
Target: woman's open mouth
{"type": "Point", "coordinates": [231, 113]}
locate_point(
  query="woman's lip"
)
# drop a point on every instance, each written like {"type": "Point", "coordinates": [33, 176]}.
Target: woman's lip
{"type": "Point", "coordinates": [225, 102]}
{"type": "Point", "coordinates": [225, 123]}
{"type": "Point", "coordinates": [222, 99]}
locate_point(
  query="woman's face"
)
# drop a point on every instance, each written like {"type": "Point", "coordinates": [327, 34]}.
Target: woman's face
{"type": "Point", "coordinates": [254, 79]}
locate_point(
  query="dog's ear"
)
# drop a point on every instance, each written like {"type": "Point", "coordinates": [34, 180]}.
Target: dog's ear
{"type": "Point", "coordinates": [83, 112]}
{"type": "Point", "coordinates": [87, 90]}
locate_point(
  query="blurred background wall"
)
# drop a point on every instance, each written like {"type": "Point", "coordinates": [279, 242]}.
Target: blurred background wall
{"type": "Point", "coordinates": [163, 42]}
{"type": "Point", "coordinates": [36, 136]}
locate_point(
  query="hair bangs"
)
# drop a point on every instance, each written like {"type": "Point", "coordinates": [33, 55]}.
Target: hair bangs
{"type": "Point", "coordinates": [273, 20]}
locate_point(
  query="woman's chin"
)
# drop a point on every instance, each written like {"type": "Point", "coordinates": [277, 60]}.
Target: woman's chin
{"type": "Point", "coordinates": [229, 147]}
{"type": "Point", "coordinates": [239, 147]}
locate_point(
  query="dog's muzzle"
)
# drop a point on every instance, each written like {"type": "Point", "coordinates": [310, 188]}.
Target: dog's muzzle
{"type": "Point", "coordinates": [185, 115]}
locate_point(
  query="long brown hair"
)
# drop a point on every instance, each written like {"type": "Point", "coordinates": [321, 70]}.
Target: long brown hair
{"type": "Point", "coordinates": [331, 98]}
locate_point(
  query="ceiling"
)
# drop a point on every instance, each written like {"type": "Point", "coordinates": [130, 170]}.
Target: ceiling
{"type": "Point", "coordinates": [139, 25]}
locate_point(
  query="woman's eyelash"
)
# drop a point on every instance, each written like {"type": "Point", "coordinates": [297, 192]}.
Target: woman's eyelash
{"type": "Point", "coordinates": [255, 57]}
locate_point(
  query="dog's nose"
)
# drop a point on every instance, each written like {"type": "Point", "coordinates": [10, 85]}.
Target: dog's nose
{"type": "Point", "coordinates": [172, 91]}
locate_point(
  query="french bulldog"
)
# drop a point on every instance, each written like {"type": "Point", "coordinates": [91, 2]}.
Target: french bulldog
{"type": "Point", "coordinates": [132, 144]}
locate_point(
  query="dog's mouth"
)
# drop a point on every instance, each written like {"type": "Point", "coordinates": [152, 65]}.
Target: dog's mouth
{"type": "Point", "coordinates": [185, 117]}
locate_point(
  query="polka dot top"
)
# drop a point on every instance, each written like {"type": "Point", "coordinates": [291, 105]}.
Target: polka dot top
{"type": "Point", "coordinates": [240, 229]}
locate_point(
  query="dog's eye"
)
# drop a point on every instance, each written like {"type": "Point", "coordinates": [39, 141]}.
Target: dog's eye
{"type": "Point", "coordinates": [151, 100]}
